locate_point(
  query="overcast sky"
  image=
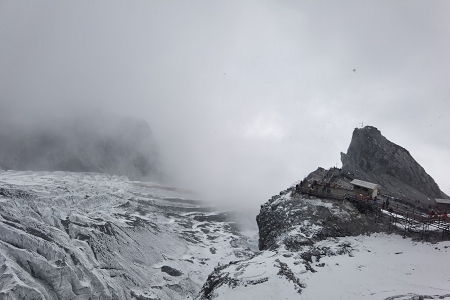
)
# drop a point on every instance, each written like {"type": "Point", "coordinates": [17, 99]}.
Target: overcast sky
{"type": "Point", "coordinates": [244, 97]}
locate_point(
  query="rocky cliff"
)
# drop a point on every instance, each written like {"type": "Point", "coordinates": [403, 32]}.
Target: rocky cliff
{"type": "Point", "coordinates": [313, 220]}
{"type": "Point", "coordinates": [371, 157]}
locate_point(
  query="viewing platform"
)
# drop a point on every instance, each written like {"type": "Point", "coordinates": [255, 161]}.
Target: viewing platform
{"type": "Point", "coordinates": [400, 216]}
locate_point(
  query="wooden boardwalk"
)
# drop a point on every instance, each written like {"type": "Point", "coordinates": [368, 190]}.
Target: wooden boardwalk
{"type": "Point", "coordinates": [409, 220]}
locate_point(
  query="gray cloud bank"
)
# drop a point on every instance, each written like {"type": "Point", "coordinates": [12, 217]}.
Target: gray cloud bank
{"type": "Point", "coordinates": [81, 142]}
{"type": "Point", "coordinates": [243, 97]}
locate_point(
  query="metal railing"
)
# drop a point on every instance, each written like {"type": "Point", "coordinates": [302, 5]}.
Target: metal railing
{"type": "Point", "coordinates": [409, 219]}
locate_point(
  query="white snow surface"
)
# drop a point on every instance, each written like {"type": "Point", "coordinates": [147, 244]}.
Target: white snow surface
{"type": "Point", "coordinates": [94, 236]}
{"type": "Point", "coordinates": [379, 266]}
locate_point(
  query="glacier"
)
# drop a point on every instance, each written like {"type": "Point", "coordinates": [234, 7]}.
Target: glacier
{"type": "Point", "coordinates": [67, 235]}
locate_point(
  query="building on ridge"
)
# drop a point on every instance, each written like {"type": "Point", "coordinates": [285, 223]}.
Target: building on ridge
{"type": "Point", "coordinates": [365, 188]}
{"type": "Point", "coordinates": [443, 204]}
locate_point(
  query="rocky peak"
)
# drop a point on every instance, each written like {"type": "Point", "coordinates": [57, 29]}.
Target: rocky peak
{"type": "Point", "coordinates": [373, 158]}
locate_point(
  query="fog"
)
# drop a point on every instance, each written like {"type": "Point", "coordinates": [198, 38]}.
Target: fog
{"type": "Point", "coordinates": [83, 141]}
{"type": "Point", "coordinates": [243, 97]}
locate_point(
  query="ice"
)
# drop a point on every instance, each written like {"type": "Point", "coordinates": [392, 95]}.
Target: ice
{"type": "Point", "coordinates": [89, 236]}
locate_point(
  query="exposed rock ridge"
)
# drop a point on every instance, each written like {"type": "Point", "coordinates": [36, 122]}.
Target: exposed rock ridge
{"type": "Point", "coordinates": [371, 157]}
{"type": "Point", "coordinates": [291, 221]}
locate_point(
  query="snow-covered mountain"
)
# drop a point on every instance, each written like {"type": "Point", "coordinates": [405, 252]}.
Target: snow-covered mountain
{"type": "Point", "coordinates": [317, 248]}
{"type": "Point", "coordinates": [94, 236]}
{"type": "Point", "coordinates": [325, 249]}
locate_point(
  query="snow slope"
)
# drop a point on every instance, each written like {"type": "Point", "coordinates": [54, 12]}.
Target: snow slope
{"type": "Point", "coordinates": [94, 236]}
{"type": "Point", "coordinates": [379, 266]}
{"type": "Point", "coordinates": [383, 266]}
{"type": "Point", "coordinates": [368, 266]}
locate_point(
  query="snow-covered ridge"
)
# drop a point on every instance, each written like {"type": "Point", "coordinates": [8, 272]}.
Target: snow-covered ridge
{"type": "Point", "coordinates": [379, 266]}
{"type": "Point", "coordinates": [94, 236]}
{"type": "Point", "coordinates": [324, 249]}
{"type": "Point", "coordinates": [293, 221]}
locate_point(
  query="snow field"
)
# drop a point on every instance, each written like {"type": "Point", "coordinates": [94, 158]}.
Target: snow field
{"type": "Point", "coordinates": [111, 235]}
{"type": "Point", "coordinates": [379, 266]}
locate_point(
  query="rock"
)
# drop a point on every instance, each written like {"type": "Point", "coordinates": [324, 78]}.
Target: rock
{"type": "Point", "coordinates": [171, 271]}
{"type": "Point", "coordinates": [293, 221]}
{"type": "Point", "coordinates": [373, 158]}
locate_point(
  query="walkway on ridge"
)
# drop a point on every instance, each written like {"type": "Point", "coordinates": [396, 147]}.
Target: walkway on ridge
{"type": "Point", "coordinates": [407, 219]}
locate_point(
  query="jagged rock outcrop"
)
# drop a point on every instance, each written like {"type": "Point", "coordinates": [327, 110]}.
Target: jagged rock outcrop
{"type": "Point", "coordinates": [371, 157]}
{"type": "Point", "coordinates": [312, 220]}
{"type": "Point", "coordinates": [88, 142]}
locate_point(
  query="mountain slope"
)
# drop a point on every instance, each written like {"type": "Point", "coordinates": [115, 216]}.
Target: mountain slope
{"type": "Point", "coordinates": [313, 250]}
{"type": "Point", "coordinates": [371, 157]}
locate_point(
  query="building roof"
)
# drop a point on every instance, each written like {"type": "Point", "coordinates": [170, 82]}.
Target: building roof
{"type": "Point", "coordinates": [365, 184]}
{"type": "Point", "coordinates": [443, 201]}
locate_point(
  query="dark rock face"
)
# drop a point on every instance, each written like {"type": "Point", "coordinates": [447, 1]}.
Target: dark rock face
{"type": "Point", "coordinates": [171, 271]}
{"type": "Point", "coordinates": [215, 280]}
{"type": "Point", "coordinates": [91, 142]}
{"type": "Point", "coordinates": [296, 222]}
{"type": "Point", "coordinates": [371, 157]}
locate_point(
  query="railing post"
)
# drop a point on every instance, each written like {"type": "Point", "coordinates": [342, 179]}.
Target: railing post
{"type": "Point", "coordinates": [407, 221]}
{"type": "Point", "coordinates": [423, 228]}
{"type": "Point", "coordinates": [389, 221]}
{"type": "Point", "coordinates": [404, 232]}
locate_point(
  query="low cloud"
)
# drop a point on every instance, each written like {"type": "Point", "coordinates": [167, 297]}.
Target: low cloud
{"type": "Point", "coordinates": [243, 98]}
